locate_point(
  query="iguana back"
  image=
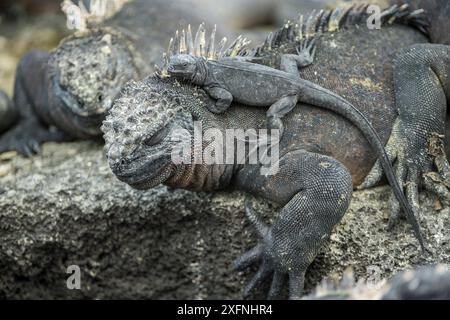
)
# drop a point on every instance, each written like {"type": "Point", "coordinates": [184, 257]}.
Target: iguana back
{"type": "Point", "coordinates": [355, 63]}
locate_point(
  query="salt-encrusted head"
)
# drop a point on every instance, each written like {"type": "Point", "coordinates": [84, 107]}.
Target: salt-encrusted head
{"type": "Point", "coordinates": [142, 128]}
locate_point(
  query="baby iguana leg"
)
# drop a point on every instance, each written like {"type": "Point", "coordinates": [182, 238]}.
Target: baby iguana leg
{"type": "Point", "coordinates": [290, 63]}
{"type": "Point", "coordinates": [315, 192]}
{"type": "Point", "coordinates": [278, 110]}
{"type": "Point", "coordinates": [306, 52]}
{"type": "Point", "coordinates": [422, 89]}
{"type": "Point", "coordinates": [223, 97]}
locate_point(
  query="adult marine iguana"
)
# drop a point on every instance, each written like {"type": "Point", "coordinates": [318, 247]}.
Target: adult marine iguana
{"type": "Point", "coordinates": [65, 94]}
{"type": "Point", "coordinates": [320, 152]}
{"type": "Point", "coordinates": [231, 79]}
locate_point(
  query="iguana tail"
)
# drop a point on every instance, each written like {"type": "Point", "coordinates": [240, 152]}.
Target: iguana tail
{"type": "Point", "coordinates": [321, 97]}
{"type": "Point", "coordinates": [8, 115]}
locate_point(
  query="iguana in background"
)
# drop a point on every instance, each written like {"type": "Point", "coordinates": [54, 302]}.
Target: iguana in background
{"type": "Point", "coordinates": [423, 283]}
{"type": "Point", "coordinates": [7, 111]}
{"type": "Point", "coordinates": [65, 94]}
{"type": "Point", "coordinates": [321, 153]}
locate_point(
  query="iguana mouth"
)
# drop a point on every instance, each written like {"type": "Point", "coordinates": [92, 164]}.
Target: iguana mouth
{"type": "Point", "coordinates": [142, 176]}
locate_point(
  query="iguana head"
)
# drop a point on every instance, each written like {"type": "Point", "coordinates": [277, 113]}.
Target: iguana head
{"type": "Point", "coordinates": [88, 71]}
{"type": "Point", "coordinates": [144, 124]}
{"type": "Point", "coordinates": [184, 66]}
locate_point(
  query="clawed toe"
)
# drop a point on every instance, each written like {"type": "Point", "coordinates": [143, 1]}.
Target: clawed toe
{"type": "Point", "coordinates": [263, 273]}
{"type": "Point", "coordinates": [26, 138]}
{"type": "Point", "coordinates": [249, 258]}
{"type": "Point", "coordinates": [23, 147]}
{"type": "Point", "coordinates": [263, 254]}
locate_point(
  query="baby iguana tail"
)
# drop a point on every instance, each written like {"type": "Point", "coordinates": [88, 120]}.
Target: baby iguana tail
{"type": "Point", "coordinates": [227, 77]}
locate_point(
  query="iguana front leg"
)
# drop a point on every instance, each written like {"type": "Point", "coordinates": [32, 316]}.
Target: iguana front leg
{"type": "Point", "coordinates": [422, 90]}
{"type": "Point", "coordinates": [290, 63]}
{"type": "Point", "coordinates": [278, 110]}
{"type": "Point", "coordinates": [223, 97]}
{"type": "Point", "coordinates": [315, 191]}
{"type": "Point", "coordinates": [306, 52]}
{"type": "Point", "coordinates": [30, 90]}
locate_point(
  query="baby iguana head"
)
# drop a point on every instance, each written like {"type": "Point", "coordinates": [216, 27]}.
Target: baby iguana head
{"type": "Point", "coordinates": [186, 67]}
{"type": "Point", "coordinates": [88, 71]}
{"type": "Point", "coordinates": [186, 57]}
{"type": "Point", "coordinates": [144, 124]}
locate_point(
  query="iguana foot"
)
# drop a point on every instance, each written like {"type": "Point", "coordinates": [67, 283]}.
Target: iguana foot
{"type": "Point", "coordinates": [218, 107]}
{"type": "Point", "coordinates": [315, 192]}
{"type": "Point", "coordinates": [26, 138]}
{"type": "Point", "coordinates": [419, 161]}
{"type": "Point", "coordinates": [271, 264]}
{"type": "Point", "coordinates": [306, 52]}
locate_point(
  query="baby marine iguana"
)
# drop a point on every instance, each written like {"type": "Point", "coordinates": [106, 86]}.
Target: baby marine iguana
{"type": "Point", "coordinates": [66, 93]}
{"type": "Point", "coordinates": [233, 79]}
{"type": "Point", "coordinates": [320, 152]}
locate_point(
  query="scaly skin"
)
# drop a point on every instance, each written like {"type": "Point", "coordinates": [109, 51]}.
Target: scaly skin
{"type": "Point", "coordinates": [422, 91]}
{"type": "Point", "coordinates": [320, 152]}
{"type": "Point", "coordinates": [231, 79]}
{"type": "Point", "coordinates": [80, 78]}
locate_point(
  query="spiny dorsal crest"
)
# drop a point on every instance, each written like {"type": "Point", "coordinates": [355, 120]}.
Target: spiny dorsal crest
{"type": "Point", "coordinates": [200, 46]}
{"type": "Point", "coordinates": [328, 21]}
{"type": "Point", "coordinates": [80, 17]}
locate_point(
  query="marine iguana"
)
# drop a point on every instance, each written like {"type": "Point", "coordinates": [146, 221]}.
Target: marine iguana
{"type": "Point", "coordinates": [320, 152]}
{"type": "Point", "coordinates": [423, 283]}
{"type": "Point", "coordinates": [65, 94]}
{"type": "Point", "coordinates": [230, 79]}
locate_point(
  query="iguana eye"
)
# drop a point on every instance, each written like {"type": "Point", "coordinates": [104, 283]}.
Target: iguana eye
{"type": "Point", "coordinates": [157, 137]}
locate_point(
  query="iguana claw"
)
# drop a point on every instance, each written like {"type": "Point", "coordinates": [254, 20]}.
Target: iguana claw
{"type": "Point", "coordinates": [417, 163]}
{"type": "Point", "coordinates": [26, 138]}
{"type": "Point", "coordinates": [306, 52]}
{"type": "Point", "coordinates": [269, 266]}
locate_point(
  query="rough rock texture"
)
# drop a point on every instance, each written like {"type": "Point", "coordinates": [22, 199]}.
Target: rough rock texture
{"type": "Point", "coordinates": [65, 207]}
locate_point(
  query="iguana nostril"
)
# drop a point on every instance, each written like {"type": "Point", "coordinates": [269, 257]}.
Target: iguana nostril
{"type": "Point", "coordinates": [114, 153]}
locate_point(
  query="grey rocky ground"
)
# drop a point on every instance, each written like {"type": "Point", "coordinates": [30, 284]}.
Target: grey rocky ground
{"type": "Point", "coordinates": [65, 207]}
